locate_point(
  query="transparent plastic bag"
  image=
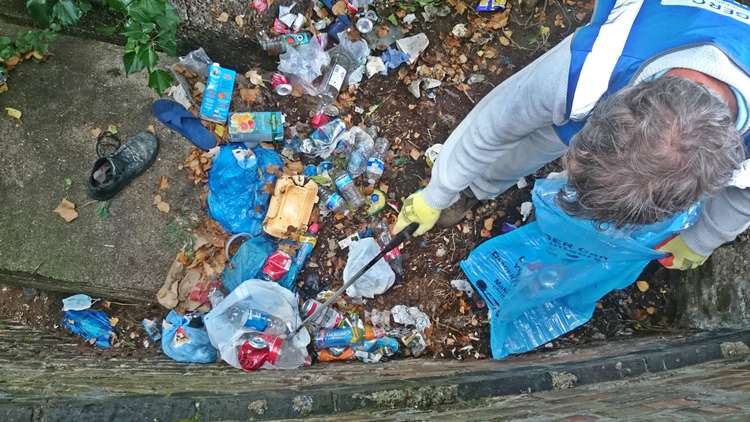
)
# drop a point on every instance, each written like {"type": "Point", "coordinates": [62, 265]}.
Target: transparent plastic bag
{"type": "Point", "coordinates": [196, 61]}
{"type": "Point", "coordinates": [303, 64]}
{"type": "Point", "coordinates": [377, 280]}
{"type": "Point", "coordinates": [228, 325]}
{"type": "Point", "coordinates": [544, 279]}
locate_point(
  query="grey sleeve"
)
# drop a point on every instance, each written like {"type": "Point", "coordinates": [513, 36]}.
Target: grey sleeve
{"type": "Point", "coordinates": [532, 98]}
{"type": "Point", "coordinates": [724, 216]}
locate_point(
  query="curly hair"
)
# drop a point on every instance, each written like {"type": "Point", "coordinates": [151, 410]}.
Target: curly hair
{"type": "Point", "coordinates": [650, 151]}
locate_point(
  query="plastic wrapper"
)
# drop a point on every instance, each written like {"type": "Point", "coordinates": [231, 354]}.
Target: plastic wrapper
{"type": "Point", "coordinates": [377, 280]}
{"type": "Point", "coordinates": [544, 279]}
{"type": "Point", "coordinates": [410, 316]}
{"type": "Point", "coordinates": [196, 61]}
{"type": "Point", "coordinates": [228, 333]}
{"type": "Point", "coordinates": [359, 51]}
{"type": "Point", "coordinates": [323, 141]}
{"type": "Point", "coordinates": [247, 261]}
{"type": "Point", "coordinates": [303, 64]}
{"type": "Point", "coordinates": [77, 302]}
{"type": "Point", "coordinates": [238, 187]}
{"type": "Point", "coordinates": [93, 326]}
{"type": "Point", "coordinates": [184, 339]}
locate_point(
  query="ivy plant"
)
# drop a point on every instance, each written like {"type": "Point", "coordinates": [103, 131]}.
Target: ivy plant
{"type": "Point", "coordinates": [149, 26]}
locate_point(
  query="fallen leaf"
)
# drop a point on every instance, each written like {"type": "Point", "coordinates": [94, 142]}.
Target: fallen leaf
{"type": "Point", "coordinates": [504, 41]}
{"type": "Point", "coordinates": [151, 129]}
{"type": "Point", "coordinates": [157, 199]}
{"type": "Point", "coordinates": [14, 113]}
{"type": "Point", "coordinates": [163, 207]}
{"type": "Point", "coordinates": [544, 31]}
{"type": "Point", "coordinates": [239, 20]}
{"type": "Point", "coordinates": [249, 95]}
{"type": "Point", "coordinates": [650, 310]}
{"type": "Point", "coordinates": [458, 5]}
{"type": "Point", "coordinates": [114, 321]}
{"type": "Point", "coordinates": [219, 131]}
{"type": "Point", "coordinates": [254, 77]}
{"type": "Point", "coordinates": [642, 285]}
{"type": "Point", "coordinates": [163, 183]}
{"type": "Point", "coordinates": [498, 21]}
{"type": "Point", "coordinates": [66, 210]}
{"type": "Point", "coordinates": [559, 21]}
{"type": "Point", "coordinates": [112, 129]}
{"type": "Point", "coordinates": [95, 132]}
{"type": "Point", "coordinates": [488, 223]}
{"type": "Point", "coordinates": [223, 17]}
{"type": "Point", "coordinates": [415, 154]}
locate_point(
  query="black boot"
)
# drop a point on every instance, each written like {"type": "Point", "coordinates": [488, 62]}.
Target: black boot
{"type": "Point", "coordinates": [114, 170]}
{"type": "Point", "coordinates": [457, 212]}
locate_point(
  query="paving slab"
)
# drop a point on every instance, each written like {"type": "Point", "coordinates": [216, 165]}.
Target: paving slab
{"type": "Point", "coordinates": [79, 88]}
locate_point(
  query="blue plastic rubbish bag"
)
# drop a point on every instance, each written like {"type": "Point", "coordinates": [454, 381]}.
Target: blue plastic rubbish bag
{"type": "Point", "coordinates": [240, 185]}
{"type": "Point", "coordinates": [544, 279]}
{"type": "Point", "coordinates": [184, 339]}
{"type": "Point", "coordinates": [247, 261]}
{"type": "Point", "coordinates": [91, 325]}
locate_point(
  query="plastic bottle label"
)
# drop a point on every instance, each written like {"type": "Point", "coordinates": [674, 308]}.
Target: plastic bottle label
{"type": "Point", "coordinates": [343, 182]}
{"type": "Point", "coordinates": [375, 165]}
{"type": "Point", "coordinates": [334, 201]}
{"type": "Point", "coordinates": [337, 77]}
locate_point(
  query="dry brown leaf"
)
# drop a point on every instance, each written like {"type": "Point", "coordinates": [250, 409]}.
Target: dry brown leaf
{"type": "Point", "coordinates": [458, 5]}
{"type": "Point", "coordinates": [254, 77]}
{"type": "Point", "coordinates": [504, 41]}
{"type": "Point", "coordinates": [114, 321]}
{"type": "Point", "coordinates": [559, 21]}
{"type": "Point", "coordinates": [249, 95]}
{"type": "Point", "coordinates": [488, 223]}
{"type": "Point", "coordinates": [163, 207]}
{"type": "Point", "coordinates": [66, 210]}
{"type": "Point", "coordinates": [151, 129]}
{"type": "Point", "coordinates": [642, 285]}
{"type": "Point", "coordinates": [239, 20]}
{"type": "Point", "coordinates": [293, 167]}
{"type": "Point", "coordinates": [163, 183]}
{"type": "Point", "coordinates": [650, 310]}
{"type": "Point", "coordinates": [95, 132]}
{"type": "Point", "coordinates": [498, 21]}
{"type": "Point", "coordinates": [223, 17]}
{"type": "Point", "coordinates": [157, 199]}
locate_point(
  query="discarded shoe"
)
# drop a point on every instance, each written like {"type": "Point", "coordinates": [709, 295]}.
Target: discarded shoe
{"type": "Point", "coordinates": [180, 120]}
{"type": "Point", "coordinates": [455, 213]}
{"type": "Point", "coordinates": [113, 171]}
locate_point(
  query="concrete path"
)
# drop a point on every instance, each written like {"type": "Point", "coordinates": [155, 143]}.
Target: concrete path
{"type": "Point", "coordinates": [79, 88]}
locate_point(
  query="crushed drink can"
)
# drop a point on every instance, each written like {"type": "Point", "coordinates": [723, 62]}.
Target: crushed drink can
{"type": "Point", "coordinates": [280, 84]}
{"type": "Point", "coordinates": [258, 349]}
{"type": "Point", "coordinates": [277, 265]}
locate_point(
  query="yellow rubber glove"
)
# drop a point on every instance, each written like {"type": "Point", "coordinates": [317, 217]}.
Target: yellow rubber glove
{"type": "Point", "coordinates": [416, 210]}
{"type": "Point", "coordinates": [682, 257]}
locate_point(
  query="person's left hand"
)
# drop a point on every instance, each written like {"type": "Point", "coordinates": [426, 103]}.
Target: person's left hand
{"type": "Point", "coordinates": [682, 257]}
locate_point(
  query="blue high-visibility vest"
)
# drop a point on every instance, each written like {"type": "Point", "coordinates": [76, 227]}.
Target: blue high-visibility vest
{"type": "Point", "coordinates": [626, 35]}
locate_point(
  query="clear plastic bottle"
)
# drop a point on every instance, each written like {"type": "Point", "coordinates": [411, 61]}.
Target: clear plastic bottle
{"type": "Point", "coordinates": [328, 318]}
{"type": "Point", "coordinates": [376, 162]}
{"type": "Point", "coordinates": [254, 320]}
{"type": "Point", "coordinates": [330, 200]}
{"type": "Point", "coordinates": [361, 149]}
{"type": "Point", "coordinates": [350, 191]}
{"type": "Point", "coordinates": [341, 63]}
{"type": "Point", "coordinates": [383, 235]}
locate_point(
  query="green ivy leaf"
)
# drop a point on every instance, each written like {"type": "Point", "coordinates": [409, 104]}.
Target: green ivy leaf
{"type": "Point", "coordinates": [84, 6]}
{"type": "Point", "coordinates": [134, 31]}
{"type": "Point", "coordinates": [167, 42]}
{"type": "Point", "coordinates": [117, 5]}
{"type": "Point", "coordinates": [148, 57]}
{"type": "Point", "coordinates": [5, 41]}
{"type": "Point", "coordinates": [39, 10]}
{"type": "Point", "coordinates": [146, 10]}
{"type": "Point", "coordinates": [132, 63]}
{"type": "Point", "coordinates": [6, 53]}
{"type": "Point", "coordinates": [66, 12]}
{"type": "Point", "coordinates": [106, 30]}
{"type": "Point", "coordinates": [159, 80]}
